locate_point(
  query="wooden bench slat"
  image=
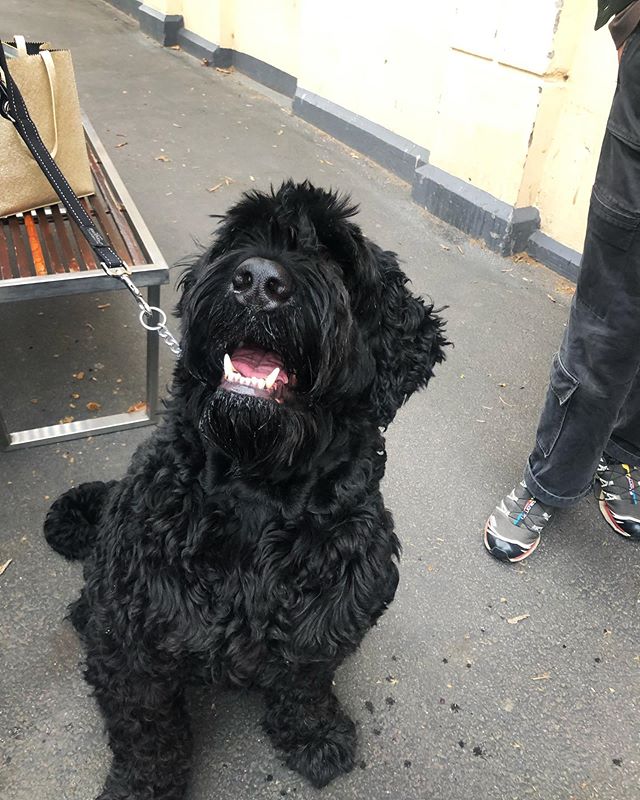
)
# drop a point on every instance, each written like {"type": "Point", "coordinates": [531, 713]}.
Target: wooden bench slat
{"type": "Point", "coordinates": [5, 263]}
{"type": "Point", "coordinates": [70, 260]}
{"type": "Point", "coordinates": [23, 260]}
{"type": "Point", "coordinates": [115, 207]}
{"type": "Point", "coordinates": [39, 263]}
{"type": "Point", "coordinates": [46, 224]}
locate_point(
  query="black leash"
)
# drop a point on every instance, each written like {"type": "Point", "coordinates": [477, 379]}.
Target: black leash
{"type": "Point", "coordinates": [13, 108]}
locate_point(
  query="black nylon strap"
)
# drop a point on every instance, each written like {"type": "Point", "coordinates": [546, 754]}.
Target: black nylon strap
{"type": "Point", "coordinates": [13, 108]}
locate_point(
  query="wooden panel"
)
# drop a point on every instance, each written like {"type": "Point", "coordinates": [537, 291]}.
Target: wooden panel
{"type": "Point", "coordinates": [45, 221]}
{"type": "Point", "coordinates": [34, 243]}
{"type": "Point", "coordinates": [24, 262]}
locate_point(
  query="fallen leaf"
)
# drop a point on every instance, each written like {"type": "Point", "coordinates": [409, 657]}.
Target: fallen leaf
{"type": "Point", "coordinates": [445, 247]}
{"type": "Point", "coordinates": [93, 406]}
{"type": "Point", "coordinates": [79, 376]}
{"type": "Point", "coordinates": [251, 178]}
{"type": "Point", "coordinates": [104, 305]}
{"type": "Point", "coordinates": [75, 396]}
{"type": "Point", "coordinates": [175, 47]}
{"type": "Point", "coordinates": [66, 420]}
{"type": "Point", "coordinates": [216, 187]}
{"type": "Point", "coordinates": [205, 62]}
{"type": "Point", "coordinates": [503, 385]}
{"type": "Point", "coordinates": [224, 70]}
{"type": "Point", "coordinates": [544, 677]}
{"type": "Point", "coordinates": [392, 680]}
{"type": "Point", "coordinates": [519, 618]}
{"type": "Point", "coordinates": [5, 565]}
{"type": "Point", "coordinates": [553, 299]}
{"type": "Point", "coordinates": [122, 144]}
{"type": "Point", "coordinates": [34, 401]}
{"type": "Point", "coordinates": [140, 406]}
{"type": "Point", "coordinates": [162, 158]}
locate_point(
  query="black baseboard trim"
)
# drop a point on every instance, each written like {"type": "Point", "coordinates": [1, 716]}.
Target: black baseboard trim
{"type": "Point", "coordinates": [129, 7]}
{"type": "Point", "coordinates": [386, 148]}
{"type": "Point", "coordinates": [264, 73]}
{"type": "Point", "coordinates": [201, 48]}
{"type": "Point", "coordinates": [161, 27]}
{"type": "Point", "coordinates": [503, 228]}
{"type": "Point", "coordinates": [556, 256]}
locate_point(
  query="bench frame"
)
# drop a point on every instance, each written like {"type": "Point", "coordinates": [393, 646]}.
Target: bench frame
{"type": "Point", "coordinates": [150, 275]}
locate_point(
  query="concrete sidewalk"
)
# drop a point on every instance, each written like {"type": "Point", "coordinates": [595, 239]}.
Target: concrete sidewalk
{"type": "Point", "coordinates": [454, 698]}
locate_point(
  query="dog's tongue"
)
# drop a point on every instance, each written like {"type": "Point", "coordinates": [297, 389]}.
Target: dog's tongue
{"type": "Point", "coordinates": [252, 362]}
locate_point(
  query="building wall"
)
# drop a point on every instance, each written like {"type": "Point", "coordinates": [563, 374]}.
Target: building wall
{"type": "Point", "coordinates": [509, 95]}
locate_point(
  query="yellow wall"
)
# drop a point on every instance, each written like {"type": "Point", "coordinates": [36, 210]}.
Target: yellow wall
{"type": "Point", "coordinates": [510, 95]}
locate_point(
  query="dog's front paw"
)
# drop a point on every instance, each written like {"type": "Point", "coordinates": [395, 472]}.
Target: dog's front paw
{"type": "Point", "coordinates": [327, 755]}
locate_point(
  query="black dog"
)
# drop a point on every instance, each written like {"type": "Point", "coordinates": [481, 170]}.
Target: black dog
{"type": "Point", "coordinates": [248, 543]}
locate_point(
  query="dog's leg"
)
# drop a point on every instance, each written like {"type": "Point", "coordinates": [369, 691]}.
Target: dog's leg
{"type": "Point", "coordinates": [304, 718]}
{"type": "Point", "coordinates": [149, 734]}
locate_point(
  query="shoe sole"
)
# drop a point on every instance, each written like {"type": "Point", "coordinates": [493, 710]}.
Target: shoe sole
{"type": "Point", "coordinates": [508, 560]}
{"type": "Point", "coordinates": [608, 518]}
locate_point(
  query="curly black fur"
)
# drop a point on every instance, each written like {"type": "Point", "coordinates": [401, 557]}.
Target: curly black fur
{"type": "Point", "coordinates": [248, 543]}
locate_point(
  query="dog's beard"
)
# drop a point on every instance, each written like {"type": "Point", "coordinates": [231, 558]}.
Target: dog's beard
{"type": "Point", "coordinates": [261, 435]}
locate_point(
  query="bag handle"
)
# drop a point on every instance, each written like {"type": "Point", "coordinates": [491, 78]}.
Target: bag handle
{"type": "Point", "coordinates": [22, 50]}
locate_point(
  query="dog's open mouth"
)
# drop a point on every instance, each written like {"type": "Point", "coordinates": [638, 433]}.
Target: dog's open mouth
{"type": "Point", "coordinates": [252, 370]}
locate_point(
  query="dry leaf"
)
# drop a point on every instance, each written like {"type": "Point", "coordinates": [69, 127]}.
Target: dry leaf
{"type": "Point", "coordinates": [519, 618]}
{"type": "Point", "coordinates": [137, 407]}
{"type": "Point", "coordinates": [66, 420]}
{"type": "Point", "coordinates": [216, 187]}
{"type": "Point", "coordinates": [75, 396]}
{"type": "Point", "coordinates": [553, 299]}
{"type": "Point", "coordinates": [445, 247]}
{"type": "Point", "coordinates": [162, 158]}
{"type": "Point", "coordinates": [122, 144]}
{"type": "Point", "coordinates": [79, 376]}
{"type": "Point", "coordinates": [104, 305]}
{"type": "Point", "coordinates": [175, 47]}
{"type": "Point", "coordinates": [544, 677]}
{"type": "Point", "coordinates": [5, 565]}
{"type": "Point", "coordinates": [224, 70]}
{"type": "Point", "coordinates": [92, 406]}
{"type": "Point", "coordinates": [205, 62]}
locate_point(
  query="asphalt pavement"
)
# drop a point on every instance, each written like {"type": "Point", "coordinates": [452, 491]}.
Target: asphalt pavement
{"type": "Point", "coordinates": [482, 680]}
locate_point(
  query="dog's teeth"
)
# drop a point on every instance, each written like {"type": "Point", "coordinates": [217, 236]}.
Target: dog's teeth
{"type": "Point", "coordinates": [245, 381]}
{"type": "Point", "coordinates": [254, 381]}
{"type": "Point", "coordinates": [261, 384]}
{"type": "Point", "coordinates": [228, 366]}
{"type": "Point", "coordinates": [271, 378]}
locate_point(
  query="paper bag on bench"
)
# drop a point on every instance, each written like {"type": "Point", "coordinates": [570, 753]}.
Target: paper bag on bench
{"type": "Point", "coordinates": [46, 81]}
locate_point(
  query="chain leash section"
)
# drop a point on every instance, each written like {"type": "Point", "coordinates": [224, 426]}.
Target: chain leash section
{"type": "Point", "coordinates": [146, 311]}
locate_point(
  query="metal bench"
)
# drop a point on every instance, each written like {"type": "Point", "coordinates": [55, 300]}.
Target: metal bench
{"type": "Point", "coordinates": [42, 254]}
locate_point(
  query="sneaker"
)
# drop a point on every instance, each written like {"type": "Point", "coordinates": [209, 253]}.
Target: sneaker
{"type": "Point", "coordinates": [619, 496]}
{"type": "Point", "coordinates": [513, 530]}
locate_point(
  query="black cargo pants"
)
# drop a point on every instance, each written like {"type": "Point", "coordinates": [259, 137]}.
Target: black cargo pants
{"type": "Point", "coordinates": [593, 400]}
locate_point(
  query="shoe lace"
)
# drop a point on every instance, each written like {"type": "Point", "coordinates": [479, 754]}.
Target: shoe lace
{"type": "Point", "coordinates": [529, 512]}
{"type": "Point", "coordinates": [621, 479]}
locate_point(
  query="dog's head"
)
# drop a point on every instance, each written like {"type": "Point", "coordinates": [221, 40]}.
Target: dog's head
{"type": "Point", "coordinates": [297, 324]}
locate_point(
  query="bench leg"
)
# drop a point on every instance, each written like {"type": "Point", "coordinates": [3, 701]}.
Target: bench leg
{"type": "Point", "coordinates": [5, 436]}
{"type": "Point", "coordinates": [153, 345]}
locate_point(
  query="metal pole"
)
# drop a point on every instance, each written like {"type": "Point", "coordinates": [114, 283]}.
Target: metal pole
{"type": "Point", "coordinates": [153, 340]}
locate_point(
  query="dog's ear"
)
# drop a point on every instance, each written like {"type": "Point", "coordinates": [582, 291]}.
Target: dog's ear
{"type": "Point", "coordinates": [407, 340]}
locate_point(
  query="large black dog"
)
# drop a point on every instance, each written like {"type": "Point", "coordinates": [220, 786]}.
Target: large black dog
{"type": "Point", "coordinates": [248, 543]}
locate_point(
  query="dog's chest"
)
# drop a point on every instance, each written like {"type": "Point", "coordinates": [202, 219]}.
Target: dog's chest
{"type": "Point", "coordinates": [248, 587]}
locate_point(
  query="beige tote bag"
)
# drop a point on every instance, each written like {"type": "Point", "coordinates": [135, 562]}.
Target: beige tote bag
{"type": "Point", "coordinates": [46, 81]}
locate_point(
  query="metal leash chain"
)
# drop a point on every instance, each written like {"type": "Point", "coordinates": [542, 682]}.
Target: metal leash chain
{"type": "Point", "coordinates": [146, 311]}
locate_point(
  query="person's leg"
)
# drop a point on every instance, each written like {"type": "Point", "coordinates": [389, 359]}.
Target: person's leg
{"type": "Point", "coordinates": [596, 367]}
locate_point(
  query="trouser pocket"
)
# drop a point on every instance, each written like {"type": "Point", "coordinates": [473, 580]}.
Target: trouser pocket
{"type": "Point", "coordinates": [562, 385]}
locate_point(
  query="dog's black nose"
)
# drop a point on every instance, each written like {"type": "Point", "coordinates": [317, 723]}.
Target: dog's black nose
{"type": "Point", "coordinates": [261, 283]}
